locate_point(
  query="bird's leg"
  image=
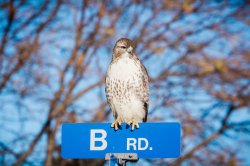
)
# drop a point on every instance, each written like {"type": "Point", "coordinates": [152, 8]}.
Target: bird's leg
{"type": "Point", "coordinates": [116, 123]}
{"type": "Point", "coordinates": [129, 122]}
{"type": "Point", "coordinates": [134, 124]}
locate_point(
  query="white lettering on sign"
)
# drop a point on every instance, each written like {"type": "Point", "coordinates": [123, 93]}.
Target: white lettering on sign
{"type": "Point", "coordinates": [140, 143]}
{"type": "Point", "coordinates": [131, 144]}
{"type": "Point", "coordinates": [94, 139]}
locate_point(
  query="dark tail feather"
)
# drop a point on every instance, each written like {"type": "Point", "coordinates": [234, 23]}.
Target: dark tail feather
{"type": "Point", "coordinates": [146, 112]}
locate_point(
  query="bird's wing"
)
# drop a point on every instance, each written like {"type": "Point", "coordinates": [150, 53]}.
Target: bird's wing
{"type": "Point", "coordinates": [109, 94]}
{"type": "Point", "coordinates": [107, 89]}
{"type": "Point", "coordinates": [145, 91]}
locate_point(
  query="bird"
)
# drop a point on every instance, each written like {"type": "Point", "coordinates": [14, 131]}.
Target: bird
{"type": "Point", "coordinates": [127, 86]}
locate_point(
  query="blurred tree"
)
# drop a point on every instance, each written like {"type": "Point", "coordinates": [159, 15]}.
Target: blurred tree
{"type": "Point", "coordinates": [54, 55]}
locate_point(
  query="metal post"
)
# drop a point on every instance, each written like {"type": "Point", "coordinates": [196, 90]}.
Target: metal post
{"type": "Point", "coordinates": [120, 158]}
{"type": "Point", "coordinates": [113, 160]}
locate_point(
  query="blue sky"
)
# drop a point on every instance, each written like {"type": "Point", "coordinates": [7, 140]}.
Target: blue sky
{"type": "Point", "coordinates": [15, 117]}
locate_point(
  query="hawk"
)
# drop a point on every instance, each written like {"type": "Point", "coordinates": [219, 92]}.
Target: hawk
{"type": "Point", "coordinates": [127, 86]}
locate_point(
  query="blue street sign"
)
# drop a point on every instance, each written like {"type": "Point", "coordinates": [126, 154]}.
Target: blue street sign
{"type": "Point", "coordinates": [94, 140]}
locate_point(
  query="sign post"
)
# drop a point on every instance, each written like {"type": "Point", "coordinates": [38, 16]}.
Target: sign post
{"type": "Point", "coordinates": [99, 140]}
{"type": "Point", "coordinates": [120, 158]}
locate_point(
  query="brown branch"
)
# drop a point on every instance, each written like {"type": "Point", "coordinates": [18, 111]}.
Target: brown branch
{"type": "Point", "coordinates": [11, 16]}
{"type": "Point", "coordinates": [208, 140]}
{"type": "Point", "coordinates": [50, 18]}
{"type": "Point", "coordinates": [72, 84]}
{"type": "Point", "coordinates": [25, 154]}
{"type": "Point", "coordinates": [22, 59]}
{"type": "Point", "coordinates": [31, 18]}
{"type": "Point", "coordinates": [46, 126]}
{"type": "Point", "coordinates": [5, 149]}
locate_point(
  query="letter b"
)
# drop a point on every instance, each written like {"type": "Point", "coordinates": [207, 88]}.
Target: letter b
{"type": "Point", "coordinates": [94, 139]}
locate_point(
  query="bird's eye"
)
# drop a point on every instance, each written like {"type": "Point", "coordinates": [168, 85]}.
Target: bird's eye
{"type": "Point", "coordinates": [123, 47]}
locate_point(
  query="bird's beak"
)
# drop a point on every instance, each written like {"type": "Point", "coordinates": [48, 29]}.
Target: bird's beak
{"type": "Point", "coordinates": [130, 50]}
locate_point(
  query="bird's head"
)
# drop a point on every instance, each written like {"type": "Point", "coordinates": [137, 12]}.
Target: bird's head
{"type": "Point", "coordinates": [122, 46]}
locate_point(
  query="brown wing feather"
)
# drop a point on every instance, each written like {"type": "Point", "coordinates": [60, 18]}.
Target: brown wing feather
{"type": "Point", "coordinates": [144, 94]}
{"type": "Point", "coordinates": [108, 96]}
{"type": "Point", "coordinates": [146, 91]}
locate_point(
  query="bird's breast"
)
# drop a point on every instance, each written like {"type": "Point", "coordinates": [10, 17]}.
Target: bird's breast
{"type": "Point", "coordinates": [124, 69]}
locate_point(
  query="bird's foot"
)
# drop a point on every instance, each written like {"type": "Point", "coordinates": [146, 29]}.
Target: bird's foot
{"type": "Point", "coordinates": [116, 123]}
{"type": "Point", "coordinates": [134, 124]}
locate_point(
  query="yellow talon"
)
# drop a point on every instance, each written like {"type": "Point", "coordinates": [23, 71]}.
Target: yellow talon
{"type": "Point", "coordinates": [135, 124]}
{"type": "Point", "coordinates": [116, 124]}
